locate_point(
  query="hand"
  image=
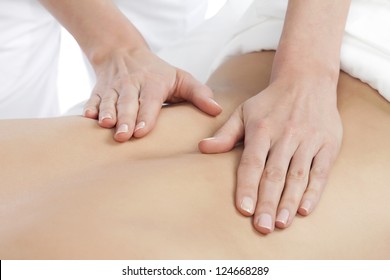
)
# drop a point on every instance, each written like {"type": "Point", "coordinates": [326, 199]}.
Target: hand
{"type": "Point", "coordinates": [292, 136]}
{"type": "Point", "coordinates": [131, 88]}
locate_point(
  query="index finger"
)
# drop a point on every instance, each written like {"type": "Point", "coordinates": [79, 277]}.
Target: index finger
{"type": "Point", "coordinates": [256, 146]}
{"type": "Point", "coordinates": [127, 107]}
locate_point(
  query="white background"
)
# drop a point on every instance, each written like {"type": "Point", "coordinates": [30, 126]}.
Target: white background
{"type": "Point", "coordinates": [73, 80]}
{"type": "Point", "coordinates": [278, 270]}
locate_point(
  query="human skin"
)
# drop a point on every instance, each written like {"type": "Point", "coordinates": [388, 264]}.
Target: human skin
{"type": "Point", "coordinates": [292, 128]}
{"type": "Point", "coordinates": [280, 156]}
{"type": "Point", "coordinates": [132, 82]}
{"type": "Point", "coordinates": [69, 191]}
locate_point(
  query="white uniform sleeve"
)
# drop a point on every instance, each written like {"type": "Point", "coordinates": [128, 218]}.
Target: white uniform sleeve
{"type": "Point", "coordinates": [29, 46]}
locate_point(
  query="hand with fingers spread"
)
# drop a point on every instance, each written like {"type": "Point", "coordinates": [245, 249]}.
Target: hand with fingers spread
{"type": "Point", "coordinates": [292, 130]}
{"type": "Point", "coordinates": [292, 137]}
{"type": "Point", "coordinates": [131, 88]}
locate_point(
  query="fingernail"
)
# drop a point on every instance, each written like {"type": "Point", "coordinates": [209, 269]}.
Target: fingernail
{"type": "Point", "coordinates": [283, 217]}
{"type": "Point", "coordinates": [209, 139]}
{"type": "Point", "coordinates": [105, 116]}
{"type": "Point", "coordinates": [247, 204]}
{"type": "Point", "coordinates": [86, 111]}
{"type": "Point", "coordinates": [123, 128]}
{"type": "Point", "coordinates": [265, 221]}
{"type": "Point", "coordinates": [139, 126]}
{"type": "Point", "coordinates": [215, 102]}
{"type": "Point", "coordinates": [306, 206]}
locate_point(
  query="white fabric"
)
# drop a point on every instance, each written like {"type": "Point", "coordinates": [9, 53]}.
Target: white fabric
{"type": "Point", "coordinates": [365, 52]}
{"type": "Point", "coordinates": [366, 47]}
{"type": "Point", "coordinates": [196, 51]}
{"type": "Point", "coordinates": [29, 47]}
{"type": "Point", "coordinates": [163, 22]}
{"type": "Point", "coordinates": [29, 43]}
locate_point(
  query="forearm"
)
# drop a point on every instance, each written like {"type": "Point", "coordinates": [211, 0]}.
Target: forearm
{"type": "Point", "coordinates": [97, 25]}
{"type": "Point", "coordinates": [311, 39]}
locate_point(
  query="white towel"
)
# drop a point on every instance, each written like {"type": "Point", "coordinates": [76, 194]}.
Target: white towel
{"type": "Point", "coordinates": [365, 52]}
{"type": "Point", "coordinates": [197, 51]}
{"type": "Point", "coordinates": [237, 29]}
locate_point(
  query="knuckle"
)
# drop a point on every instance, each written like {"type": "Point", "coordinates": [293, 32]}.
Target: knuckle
{"type": "Point", "coordinates": [126, 99]}
{"type": "Point", "coordinates": [313, 193]}
{"type": "Point", "coordinates": [315, 133]}
{"type": "Point", "coordinates": [267, 205]}
{"type": "Point", "coordinates": [261, 124]}
{"type": "Point", "coordinates": [246, 185]}
{"type": "Point", "coordinates": [91, 102]}
{"type": "Point", "coordinates": [319, 172]}
{"type": "Point", "coordinates": [129, 81]}
{"type": "Point", "coordinates": [290, 129]}
{"type": "Point", "coordinates": [274, 174]}
{"type": "Point", "coordinates": [96, 92]}
{"type": "Point", "coordinates": [291, 201]}
{"type": "Point", "coordinates": [130, 116]}
{"type": "Point", "coordinates": [109, 98]}
{"type": "Point", "coordinates": [202, 89]}
{"type": "Point", "coordinates": [151, 98]}
{"type": "Point", "coordinates": [253, 161]}
{"type": "Point", "coordinates": [297, 174]}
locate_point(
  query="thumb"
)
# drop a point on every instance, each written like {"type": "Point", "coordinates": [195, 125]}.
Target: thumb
{"type": "Point", "coordinates": [226, 137]}
{"type": "Point", "coordinates": [197, 93]}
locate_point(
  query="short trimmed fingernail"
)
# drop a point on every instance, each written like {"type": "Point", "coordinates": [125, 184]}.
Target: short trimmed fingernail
{"type": "Point", "coordinates": [215, 102]}
{"type": "Point", "coordinates": [209, 139]}
{"type": "Point", "coordinates": [265, 221]}
{"type": "Point", "coordinates": [139, 126]}
{"type": "Point", "coordinates": [247, 204]}
{"type": "Point", "coordinates": [123, 128]}
{"type": "Point", "coordinates": [105, 116]}
{"type": "Point", "coordinates": [306, 206]}
{"type": "Point", "coordinates": [283, 216]}
{"type": "Point", "coordinates": [87, 111]}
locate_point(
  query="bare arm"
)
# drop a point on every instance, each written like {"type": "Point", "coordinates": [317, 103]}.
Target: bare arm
{"type": "Point", "coordinates": [62, 192]}
{"type": "Point", "coordinates": [97, 25]}
{"type": "Point", "coordinates": [132, 82]}
{"type": "Point", "coordinates": [292, 128]}
{"type": "Point", "coordinates": [311, 40]}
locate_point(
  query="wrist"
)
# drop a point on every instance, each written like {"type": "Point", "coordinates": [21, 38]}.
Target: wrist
{"type": "Point", "coordinates": [305, 76]}
{"type": "Point", "coordinates": [98, 54]}
{"type": "Point", "coordinates": [305, 66]}
{"type": "Point", "coordinates": [107, 33]}
{"type": "Point", "coordinates": [303, 79]}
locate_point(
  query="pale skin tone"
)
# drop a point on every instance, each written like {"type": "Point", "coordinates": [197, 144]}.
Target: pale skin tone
{"type": "Point", "coordinates": [132, 82]}
{"type": "Point", "coordinates": [292, 128]}
{"type": "Point", "coordinates": [69, 191]}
